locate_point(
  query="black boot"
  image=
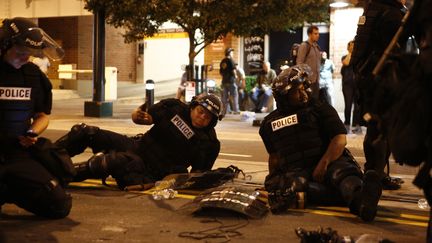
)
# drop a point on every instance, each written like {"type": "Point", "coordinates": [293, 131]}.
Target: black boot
{"type": "Point", "coordinates": [94, 168]}
{"type": "Point", "coordinates": [365, 202]}
{"type": "Point", "coordinates": [77, 139]}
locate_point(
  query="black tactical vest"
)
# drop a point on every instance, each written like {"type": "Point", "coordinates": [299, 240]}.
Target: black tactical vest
{"type": "Point", "coordinates": [296, 138]}
{"type": "Point", "coordinates": [172, 143]}
{"type": "Point", "coordinates": [18, 89]}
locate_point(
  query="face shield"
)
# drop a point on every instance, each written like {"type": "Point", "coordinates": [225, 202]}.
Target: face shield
{"type": "Point", "coordinates": [38, 43]}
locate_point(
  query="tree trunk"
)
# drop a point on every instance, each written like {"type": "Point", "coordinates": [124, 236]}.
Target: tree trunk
{"type": "Point", "coordinates": [192, 55]}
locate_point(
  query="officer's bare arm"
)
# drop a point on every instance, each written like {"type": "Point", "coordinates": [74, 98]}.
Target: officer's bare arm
{"type": "Point", "coordinates": [347, 59]}
{"type": "Point", "coordinates": [40, 122]}
{"type": "Point", "coordinates": [141, 117]}
{"type": "Point", "coordinates": [335, 149]}
{"type": "Point", "coordinates": [272, 162]}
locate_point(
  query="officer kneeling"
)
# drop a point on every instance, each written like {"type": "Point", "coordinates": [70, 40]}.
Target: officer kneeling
{"type": "Point", "coordinates": [181, 136]}
{"type": "Point", "coordinates": [306, 143]}
{"type": "Point", "coordinates": [28, 180]}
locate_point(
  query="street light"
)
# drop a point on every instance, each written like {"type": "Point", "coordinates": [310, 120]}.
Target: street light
{"type": "Point", "coordinates": [339, 4]}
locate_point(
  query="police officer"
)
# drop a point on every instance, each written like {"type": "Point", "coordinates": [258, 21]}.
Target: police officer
{"type": "Point", "coordinates": [181, 136]}
{"type": "Point", "coordinates": [306, 142]}
{"type": "Point", "coordinates": [369, 45]}
{"type": "Point", "coordinates": [25, 105]}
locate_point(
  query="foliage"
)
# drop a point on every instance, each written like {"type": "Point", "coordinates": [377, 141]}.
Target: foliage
{"type": "Point", "coordinates": [205, 21]}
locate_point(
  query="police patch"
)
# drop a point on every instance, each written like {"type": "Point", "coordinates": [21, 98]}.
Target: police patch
{"type": "Point", "coordinates": [284, 122]}
{"type": "Point", "coordinates": [15, 93]}
{"type": "Point", "coordinates": [362, 20]}
{"type": "Point", "coordinates": [182, 126]}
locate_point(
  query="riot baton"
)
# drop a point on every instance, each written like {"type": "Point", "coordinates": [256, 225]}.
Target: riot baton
{"type": "Point", "coordinates": [391, 46]}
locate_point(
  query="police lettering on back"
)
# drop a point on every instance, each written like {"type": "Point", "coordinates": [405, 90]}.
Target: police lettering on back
{"type": "Point", "coordinates": [15, 93]}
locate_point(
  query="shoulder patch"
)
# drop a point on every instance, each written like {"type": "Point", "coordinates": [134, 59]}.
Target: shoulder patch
{"type": "Point", "coordinates": [362, 20]}
{"type": "Point", "coordinates": [284, 122]}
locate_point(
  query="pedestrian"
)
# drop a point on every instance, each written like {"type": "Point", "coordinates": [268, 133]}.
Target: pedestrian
{"type": "Point", "coordinates": [310, 54]}
{"type": "Point", "coordinates": [306, 140]}
{"type": "Point", "coordinates": [369, 45]}
{"type": "Point", "coordinates": [229, 87]}
{"type": "Point", "coordinates": [181, 90]}
{"type": "Point", "coordinates": [326, 79]}
{"type": "Point", "coordinates": [241, 85]}
{"type": "Point", "coordinates": [350, 93]}
{"type": "Point", "coordinates": [25, 106]}
{"type": "Point", "coordinates": [261, 93]}
{"type": "Point", "coordinates": [181, 136]}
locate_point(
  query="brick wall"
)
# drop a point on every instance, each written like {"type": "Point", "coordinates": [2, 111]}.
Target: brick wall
{"type": "Point", "coordinates": [63, 31]}
{"type": "Point", "coordinates": [75, 35]}
{"type": "Point", "coordinates": [215, 52]}
{"type": "Point", "coordinates": [117, 53]}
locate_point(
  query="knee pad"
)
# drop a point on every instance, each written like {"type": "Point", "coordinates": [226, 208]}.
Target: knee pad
{"type": "Point", "coordinates": [98, 165]}
{"type": "Point", "coordinates": [49, 201]}
{"type": "Point", "coordinates": [60, 205]}
{"type": "Point", "coordinates": [77, 139]}
{"type": "Point", "coordinates": [342, 169]}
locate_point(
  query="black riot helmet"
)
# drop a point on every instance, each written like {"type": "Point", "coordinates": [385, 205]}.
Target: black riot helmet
{"type": "Point", "coordinates": [289, 78]}
{"type": "Point", "coordinates": [24, 33]}
{"type": "Point", "coordinates": [212, 103]}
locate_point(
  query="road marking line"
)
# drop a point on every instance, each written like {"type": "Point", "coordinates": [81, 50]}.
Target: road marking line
{"type": "Point", "coordinates": [416, 220]}
{"type": "Point", "coordinates": [237, 155]}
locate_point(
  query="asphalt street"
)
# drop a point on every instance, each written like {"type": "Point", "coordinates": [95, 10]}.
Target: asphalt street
{"type": "Point", "coordinates": [105, 214]}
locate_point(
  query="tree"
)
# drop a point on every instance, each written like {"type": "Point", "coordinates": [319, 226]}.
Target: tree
{"type": "Point", "coordinates": [206, 21]}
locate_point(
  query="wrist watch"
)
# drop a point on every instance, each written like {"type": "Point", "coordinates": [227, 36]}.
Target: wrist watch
{"type": "Point", "coordinates": [31, 133]}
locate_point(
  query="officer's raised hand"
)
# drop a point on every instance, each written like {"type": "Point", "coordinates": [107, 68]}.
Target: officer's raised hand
{"type": "Point", "coordinates": [140, 116]}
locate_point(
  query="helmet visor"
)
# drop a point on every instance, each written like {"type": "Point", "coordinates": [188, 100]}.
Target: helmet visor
{"type": "Point", "coordinates": [40, 44]}
{"type": "Point", "coordinates": [212, 109]}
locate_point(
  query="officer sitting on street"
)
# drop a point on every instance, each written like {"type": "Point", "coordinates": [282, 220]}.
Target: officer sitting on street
{"type": "Point", "coordinates": [306, 141]}
{"type": "Point", "coordinates": [181, 136]}
{"type": "Point", "coordinates": [25, 105]}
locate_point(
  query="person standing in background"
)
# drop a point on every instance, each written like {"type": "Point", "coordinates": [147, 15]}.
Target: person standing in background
{"type": "Point", "coordinates": [350, 93]}
{"type": "Point", "coordinates": [228, 71]}
{"type": "Point", "coordinates": [326, 79]}
{"type": "Point", "coordinates": [309, 53]}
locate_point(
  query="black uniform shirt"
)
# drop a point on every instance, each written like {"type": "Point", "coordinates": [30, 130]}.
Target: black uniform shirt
{"type": "Point", "coordinates": [173, 144]}
{"type": "Point", "coordinates": [227, 67]}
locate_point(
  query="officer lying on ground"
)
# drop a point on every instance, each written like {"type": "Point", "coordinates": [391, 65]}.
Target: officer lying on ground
{"type": "Point", "coordinates": [182, 136]}
{"type": "Point", "coordinates": [306, 142]}
{"type": "Point", "coordinates": [25, 103]}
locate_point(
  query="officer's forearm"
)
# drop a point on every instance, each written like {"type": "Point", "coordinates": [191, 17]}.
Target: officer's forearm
{"type": "Point", "coordinates": [335, 149]}
{"type": "Point", "coordinates": [40, 122]}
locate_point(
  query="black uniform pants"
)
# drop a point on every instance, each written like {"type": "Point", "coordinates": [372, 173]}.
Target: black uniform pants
{"type": "Point", "coordinates": [376, 149]}
{"type": "Point", "coordinates": [120, 152]}
{"type": "Point", "coordinates": [350, 94]}
{"type": "Point", "coordinates": [342, 179]}
{"type": "Point", "coordinates": [26, 183]}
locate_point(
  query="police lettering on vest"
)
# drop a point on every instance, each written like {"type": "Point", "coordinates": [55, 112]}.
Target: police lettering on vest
{"type": "Point", "coordinates": [15, 93]}
{"type": "Point", "coordinates": [182, 126]}
{"type": "Point", "coordinates": [284, 122]}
